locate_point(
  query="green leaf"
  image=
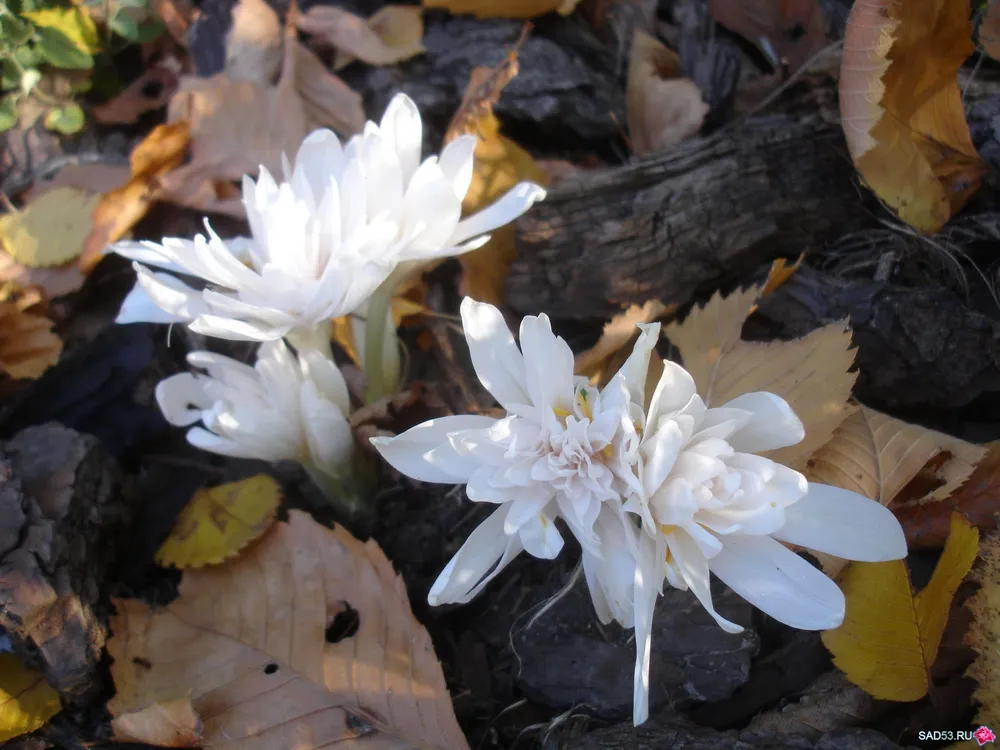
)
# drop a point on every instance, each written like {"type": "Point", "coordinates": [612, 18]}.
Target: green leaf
{"type": "Point", "coordinates": [15, 32]}
{"type": "Point", "coordinates": [134, 31]}
{"type": "Point", "coordinates": [59, 50]}
{"type": "Point", "coordinates": [8, 112]}
{"type": "Point", "coordinates": [66, 120]}
{"type": "Point", "coordinates": [76, 24]}
{"type": "Point", "coordinates": [27, 57]}
{"type": "Point", "coordinates": [10, 76]}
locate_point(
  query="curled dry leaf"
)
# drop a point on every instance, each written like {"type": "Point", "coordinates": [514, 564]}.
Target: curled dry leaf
{"type": "Point", "coordinates": [27, 701]}
{"type": "Point", "coordinates": [984, 633]}
{"type": "Point", "coordinates": [889, 639]}
{"type": "Point", "coordinates": [810, 373]}
{"type": "Point", "coordinates": [253, 44]}
{"type": "Point", "coordinates": [394, 414]}
{"type": "Point", "coordinates": [118, 211]}
{"type": "Point", "coordinates": [133, 102]}
{"type": "Point", "coordinates": [28, 347]}
{"type": "Point", "coordinates": [390, 36]}
{"type": "Point", "coordinates": [787, 32]}
{"type": "Point", "coordinates": [499, 165]}
{"type": "Point", "coordinates": [166, 724]}
{"type": "Point", "coordinates": [218, 523]}
{"type": "Point", "coordinates": [663, 107]}
{"type": "Point", "coordinates": [246, 642]}
{"type": "Point", "coordinates": [49, 231]}
{"type": "Point", "coordinates": [505, 8]}
{"type": "Point", "coordinates": [902, 110]}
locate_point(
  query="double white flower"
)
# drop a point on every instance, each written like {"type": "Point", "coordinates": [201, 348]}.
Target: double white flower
{"type": "Point", "coordinates": [323, 239]}
{"type": "Point", "coordinates": [664, 494]}
{"type": "Point", "coordinates": [282, 408]}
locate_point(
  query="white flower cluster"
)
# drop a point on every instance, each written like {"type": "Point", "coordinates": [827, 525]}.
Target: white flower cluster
{"type": "Point", "coordinates": [664, 493]}
{"type": "Point", "coordinates": [341, 225]}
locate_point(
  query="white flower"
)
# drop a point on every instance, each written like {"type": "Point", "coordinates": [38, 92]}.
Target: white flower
{"type": "Point", "coordinates": [326, 237]}
{"type": "Point", "coordinates": [707, 503]}
{"type": "Point", "coordinates": [283, 408]}
{"type": "Point", "coordinates": [557, 454]}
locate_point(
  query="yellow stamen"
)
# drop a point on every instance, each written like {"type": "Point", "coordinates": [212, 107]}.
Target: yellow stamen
{"type": "Point", "coordinates": [607, 451]}
{"type": "Point", "coordinates": [560, 412]}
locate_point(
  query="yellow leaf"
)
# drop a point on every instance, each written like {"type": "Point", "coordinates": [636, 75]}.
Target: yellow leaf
{"type": "Point", "coordinates": [28, 347]}
{"type": "Point", "coordinates": [810, 373]}
{"type": "Point", "coordinates": [27, 701]}
{"type": "Point", "coordinates": [305, 641]}
{"type": "Point", "coordinates": [51, 229]}
{"type": "Point", "coordinates": [219, 522]}
{"type": "Point", "coordinates": [165, 724]}
{"type": "Point", "coordinates": [664, 108]}
{"type": "Point", "coordinates": [505, 8]}
{"type": "Point", "coordinates": [889, 638]}
{"type": "Point", "coordinates": [74, 22]}
{"type": "Point", "coordinates": [902, 109]}
{"type": "Point", "coordinates": [390, 36]}
{"type": "Point", "coordinates": [984, 634]}
{"type": "Point", "coordinates": [500, 164]}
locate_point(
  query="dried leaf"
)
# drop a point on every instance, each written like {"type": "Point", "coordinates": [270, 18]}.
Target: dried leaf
{"type": "Point", "coordinates": [49, 231]}
{"type": "Point", "coordinates": [663, 107]}
{"type": "Point", "coordinates": [91, 178]}
{"type": "Point", "coordinates": [28, 347]}
{"type": "Point", "coordinates": [616, 335]}
{"type": "Point", "coordinates": [390, 36]}
{"type": "Point", "coordinates": [253, 45]}
{"type": "Point", "coordinates": [165, 724]}
{"type": "Point", "coordinates": [984, 633]}
{"type": "Point", "coordinates": [788, 32]}
{"type": "Point", "coordinates": [55, 282]}
{"type": "Point", "coordinates": [328, 101]}
{"type": "Point", "coordinates": [132, 103]}
{"type": "Point", "coordinates": [177, 16]}
{"type": "Point", "coordinates": [219, 522]}
{"type": "Point", "coordinates": [500, 164]}
{"type": "Point", "coordinates": [505, 8]}
{"type": "Point", "coordinates": [902, 109]}
{"type": "Point", "coordinates": [27, 701]}
{"type": "Point", "coordinates": [118, 211]}
{"type": "Point", "coordinates": [889, 638]}
{"type": "Point", "coordinates": [247, 642]}
{"type": "Point", "coordinates": [810, 373]}
{"type": "Point", "coordinates": [989, 30]}
{"type": "Point", "coordinates": [926, 524]}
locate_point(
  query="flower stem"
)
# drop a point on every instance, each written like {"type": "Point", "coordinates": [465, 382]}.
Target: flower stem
{"type": "Point", "coordinates": [344, 494]}
{"type": "Point", "coordinates": [378, 327]}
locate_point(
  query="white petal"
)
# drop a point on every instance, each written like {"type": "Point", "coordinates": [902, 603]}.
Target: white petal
{"type": "Point", "coordinates": [321, 160]}
{"type": "Point", "coordinates": [139, 307]}
{"type": "Point", "coordinates": [148, 253]}
{"type": "Point", "coordinates": [774, 424]}
{"type": "Point", "coordinates": [777, 581]}
{"type": "Point", "coordinates": [528, 504]}
{"type": "Point", "coordinates": [843, 523]}
{"type": "Point", "coordinates": [496, 359]}
{"type": "Point", "coordinates": [402, 128]}
{"type": "Point", "coordinates": [660, 451]}
{"type": "Point", "coordinates": [169, 293]}
{"type": "Point", "coordinates": [548, 364]}
{"type": "Point", "coordinates": [456, 162]}
{"type": "Point", "coordinates": [182, 398]}
{"type": "Point", "coordinates": [424, 452]}
{"type": "Point", "coordinates": [673, 392]}
{"type": "Point", "coordinates": [636, 367]}
{"type": "Point", "coordinates": [694, 568]}
{"type": "Point", "coordinates": [236, 330]}
{"type": "Point", "coordinates": [647, 584]}
{"type": "Point", "coordinates": [468, 572]}
{"type": "Point", "coordinates": [511, 205]}
{"type": "Point", "coordinates": [541, 538]}
{"type": "Point", "coordinates": [327, 377]}
{"type": "Point", "coordinates": [209, 441]}
{"type": "Point", "coordinates": [328, 433]}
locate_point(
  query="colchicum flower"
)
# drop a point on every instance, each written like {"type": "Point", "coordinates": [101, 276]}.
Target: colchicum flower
{"type": "Point", "coordinates": [707, 503]}
{"type": "Point", "coordinates": [280, 409]}
{"type": "Point", "coordinates": [323, 239]}
{"type": "Point", "coordinates": [557, 454]}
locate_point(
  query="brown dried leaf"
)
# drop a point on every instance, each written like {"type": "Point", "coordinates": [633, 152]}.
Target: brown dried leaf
{"type": "Point", "coordinates": [246, 641]}
{"type": "Point", "coordinates": [170, 723]}
{"type": "Point", "coordinates": [253, 45]}
{"type": "Point", "coordinates": [158, 153]}
{"type": "Point", "coordinates": [505, 8]}
{"type": "Point", "coordinates": [390, 36]}
{"type": "Point", "coordinates": [989, 30]}
{"type": "Point", "coordinates": [328, 101]}
{"type": "Point", "coordinates": [984, 633]}
{"type": "Point", "coordinates": [663, 108]}
{"type": "Point", "coordinates": [617, 334]}
{"type": "Point", "coordinates": [177, 16]}
{"type": "Point", "coordinates": [788, 32]}
{"type": "Point", "coordinates": [28, 347]}
{"type": "Point", "coordinates": [92, 178]}
{"type": "Point", "coordinates": [132, 103]}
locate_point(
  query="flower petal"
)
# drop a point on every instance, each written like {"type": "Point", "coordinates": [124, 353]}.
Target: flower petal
{"type": "Point", "coordinates": [779, 582]}
{"type": "Point", "coordinates": [485, 553]}
{"type": "Point", "coordinates": [512, 204]}
{"type": "Point", "coordinates": [209, 441]}
{"type": "Point", "coordinates": [147, 253]}
{"type": "Point", "coordinates": [236, 330]}
{"type": "Point", "coordinates": [673, 392]}
{"type": "Point", "coordinates": [774, 424]}
{"type": "Point", "coordinates": [843, 523]}
{"type": "Point", "coordinates": [456, 162]}
{"type": "Point", "coordinates": [540, 537]}
{"type": "Point", "coordinates": [647, 584]}
{"type": "Point", "coordinates": [636, 367]}
{"type": "Point", "coordinates": [182, 398]}
{"type": "Point", "coordinates": [319, 161]}
{"type": "Point", "coordinates": [139, 307]}
{"type": "Point", "coordinates": [496, 359]}
{"type": "Point", "coordinates": [548, 364]}
{"type": "Point", "coordinates": [179, 301]}
{"type": "Point", "coordinates": [694, 569]}
{"type": "Point", "coordinates": [425, 454]}
{"type": "Point", "coordinates": [327, 431]}
{"type": "Point", "coordinates": [402, 129]}
{"type": "Point", "coordinates": [328, 378]}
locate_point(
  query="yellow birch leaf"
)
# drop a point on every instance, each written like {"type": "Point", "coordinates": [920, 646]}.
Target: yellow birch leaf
{"type": "Point", "coordinates": [984, 634]}
{"type": "Point", "coordinates": [505, 8]}
{"type": "Point", "coordinates": [901, 106]}
{"type": "Point", "coordinates": [810, 373]}
{"type": "Point", "coordinates": [51, 229]}
{"type": "Point", "coordinates": [890, 637]}
{"type": "Point", "coordinates": [75, 23]}
{"type": "Point", "coordinates": [219, 522]}
{"type": "Point", "coordinates": [27, 701]}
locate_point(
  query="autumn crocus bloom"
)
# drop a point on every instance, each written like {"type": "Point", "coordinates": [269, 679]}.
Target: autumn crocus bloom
{"type": "Point", "coordinates": [556, 454]}
{"type": "Point", "coordinates": [282, 408]}
{"type": "Point", "coordinates": [324, 238]}
{"type": "Point", "coordinates": [709, 504]}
